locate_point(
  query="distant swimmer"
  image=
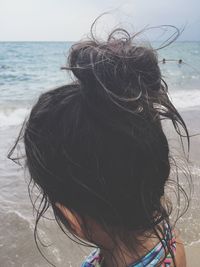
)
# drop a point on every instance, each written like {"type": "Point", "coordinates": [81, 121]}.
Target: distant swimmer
{"type": "Point", "coordinates": [180, 61]}
{"type": "Point", "coordinates": [164, 61]}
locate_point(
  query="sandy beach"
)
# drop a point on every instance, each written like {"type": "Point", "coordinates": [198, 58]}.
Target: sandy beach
{"type": "Point", "coordinates": [192, 118]}
{"type": "Point", "coordinates": [193, 255]}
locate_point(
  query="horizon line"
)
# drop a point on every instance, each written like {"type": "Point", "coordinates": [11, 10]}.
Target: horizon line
{"type": "Point", "coordinates": [70, 41]}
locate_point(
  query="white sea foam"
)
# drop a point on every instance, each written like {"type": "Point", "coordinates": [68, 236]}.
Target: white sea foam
{"type": "Point", "coordinates": [11, 117]}
{"type": "Point", "coordinates": [193, 243]}
{"type": "Point", "coordinates": [186, 99]}
{"type": "Point", "coordinates": [182, 99]}
{"type": "Point", "coordinates": [22, 217]}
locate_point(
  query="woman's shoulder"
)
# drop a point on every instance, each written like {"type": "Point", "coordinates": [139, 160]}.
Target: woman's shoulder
{"type": "Point", "coordinates": [177, 246]}
{"type": "Point", "coordinates": [180, 256]}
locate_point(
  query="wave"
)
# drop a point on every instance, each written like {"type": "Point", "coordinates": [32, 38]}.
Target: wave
{"type": "Point", "coordinates": [186, 99]}
{"type": "Point", "coordinates": [182, 99]}
{"type": "Point", "coordinates": [12, 116]}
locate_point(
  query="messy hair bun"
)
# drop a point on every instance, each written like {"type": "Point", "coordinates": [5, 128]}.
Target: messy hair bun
{"type": "Point", "coordinates": [117, 68]}
{"type": "Point", "coordinates": [122, 73]}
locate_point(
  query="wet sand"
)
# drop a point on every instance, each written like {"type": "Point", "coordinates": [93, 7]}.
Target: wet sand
{"type": "Point", "coordinates": [192, 119]}
{"type": "Point", "coordinates": [193, 255]}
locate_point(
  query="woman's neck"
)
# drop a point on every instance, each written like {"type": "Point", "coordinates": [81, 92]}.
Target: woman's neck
{"type": "Point", "coordinates": [122, 257]}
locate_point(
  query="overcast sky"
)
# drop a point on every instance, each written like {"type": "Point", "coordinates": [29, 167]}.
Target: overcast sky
{"type": "Point", "coordinates": [63, 20]}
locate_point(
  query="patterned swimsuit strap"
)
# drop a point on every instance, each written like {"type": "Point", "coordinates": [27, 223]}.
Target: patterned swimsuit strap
{"type": "Point", "coordinates": [152, 258]}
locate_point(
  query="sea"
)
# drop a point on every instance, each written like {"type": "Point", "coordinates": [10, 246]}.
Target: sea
{"type": "Point", "coordinates": [26, 70]}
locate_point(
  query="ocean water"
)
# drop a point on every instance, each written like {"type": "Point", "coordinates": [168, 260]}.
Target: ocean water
{"type": "Point", "coordinates": [30, 68]}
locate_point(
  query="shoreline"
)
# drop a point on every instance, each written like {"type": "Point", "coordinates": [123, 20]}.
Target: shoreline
{"type": "Point", "coordinates": [192, 118]}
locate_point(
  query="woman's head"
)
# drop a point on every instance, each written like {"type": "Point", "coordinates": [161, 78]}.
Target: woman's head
{"type": "Point", "coordinates": [96, 146]}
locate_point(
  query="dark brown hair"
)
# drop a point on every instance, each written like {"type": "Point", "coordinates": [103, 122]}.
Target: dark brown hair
{"type": "Point", "coordinates": [97, 145]}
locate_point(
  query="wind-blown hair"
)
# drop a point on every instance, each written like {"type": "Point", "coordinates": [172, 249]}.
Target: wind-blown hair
{"type": "Point", "coordinates": [97, 146]}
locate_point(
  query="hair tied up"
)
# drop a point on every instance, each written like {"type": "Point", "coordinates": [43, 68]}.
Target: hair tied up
{"type": "Point", "coordinates": [117, 68]}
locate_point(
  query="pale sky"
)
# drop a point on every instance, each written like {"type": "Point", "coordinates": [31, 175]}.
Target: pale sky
{"type": "Point", "coordinates": [64, 20]}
